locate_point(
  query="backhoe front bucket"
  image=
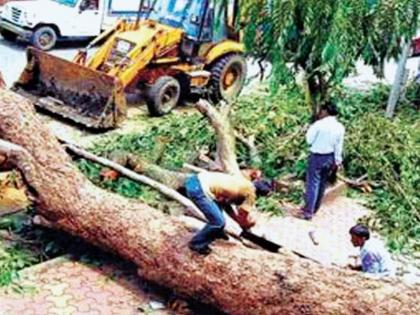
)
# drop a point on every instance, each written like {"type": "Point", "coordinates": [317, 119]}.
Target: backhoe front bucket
{"type": "Point", "coordinates": [72, 91]}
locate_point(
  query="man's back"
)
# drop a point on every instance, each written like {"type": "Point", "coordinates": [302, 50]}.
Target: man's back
{"type": "Point", "coordinates": [376, 259]}
{"type": "Point", "coordinates": [326, 136]}
{"type": "Point", "coordinates": [215, 183]}
{"type": "Point", "coordinates": [229, 187]}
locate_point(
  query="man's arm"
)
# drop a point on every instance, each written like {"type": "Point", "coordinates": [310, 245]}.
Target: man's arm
{"type": "Point", "coordinates": [338, 149]}
{"type": "Point", "coordinates": [244, 218]}
{"type": "Point", "coordinates": [311, 134]}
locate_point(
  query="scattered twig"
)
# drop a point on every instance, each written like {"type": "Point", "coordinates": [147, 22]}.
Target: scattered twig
{"type": "Point", "coordinates": [359, 183]}
{"type": "Point", "coordinates": [11, 237]}
{"type": "Point", "coordinates": [10, 212]}
{"type": "Point", "coordinates": [313, 238]}
{"type": "Point", "coordinates": [194, 168]}
{"type": "Point", "coordinates": [355, 183]}
{"type": "Point", "coordinates": [212, 165]}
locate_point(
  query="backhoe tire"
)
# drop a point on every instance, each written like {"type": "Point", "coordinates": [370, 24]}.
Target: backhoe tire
{"type": "Point", "coordinates": [8, 35]}
{"type": "Point", "coordinates": [228, 76]}
{"type": "Point", "coordinates": [44, 38]}
{"type": "Point", "coordinates": [163, 96]}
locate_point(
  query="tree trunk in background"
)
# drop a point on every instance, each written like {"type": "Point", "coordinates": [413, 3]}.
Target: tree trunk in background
{"type": "Point", "coordinates": [399, 81]}
{"type": "Point", "coordinates": [310, 89]}
{"type": "Point", "coordinates": [233, 278]}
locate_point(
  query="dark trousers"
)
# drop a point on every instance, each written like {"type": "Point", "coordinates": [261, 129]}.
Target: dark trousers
{"type": "Point", "coordinates": [319, 167]}
{"type": "Point", "coordinates": [210, 209]}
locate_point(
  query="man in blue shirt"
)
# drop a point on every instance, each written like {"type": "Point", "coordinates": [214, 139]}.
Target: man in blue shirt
{"type": "Point", "coordinates": [375, 259]}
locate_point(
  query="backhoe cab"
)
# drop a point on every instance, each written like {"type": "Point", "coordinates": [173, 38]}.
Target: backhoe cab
{"type": "Point", "coordinates": [175, 48]}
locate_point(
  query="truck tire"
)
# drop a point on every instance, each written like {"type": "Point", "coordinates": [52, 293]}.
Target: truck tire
{"type": "Point", "coordinates": [8, 35]}
{"type": "Point", "coordinates": [163, 96]}
{"type": "Point", "coordinates": [228, 76]}
{"type": "Point", "coordinates": [44, 38]}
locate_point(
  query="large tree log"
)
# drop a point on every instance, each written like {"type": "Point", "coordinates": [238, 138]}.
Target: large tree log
{"type": "Point", "coordinates": [234, 278]}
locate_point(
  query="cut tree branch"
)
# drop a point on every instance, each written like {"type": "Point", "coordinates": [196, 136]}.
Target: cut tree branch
{"type": "Point", "coordinates": [194, 168]}
{"type": "Point", "coordinates": [354, 183]}
{"type": "Point", "coordinates": [231, 227]}
{"type": "Point", "coordinates": [226, 146]}
{"type": "Point", "coordinates": [249, 142]}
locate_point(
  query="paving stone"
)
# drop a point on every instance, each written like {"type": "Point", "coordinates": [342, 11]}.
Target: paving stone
{"type": "Point", "coordinates": [66, 286]}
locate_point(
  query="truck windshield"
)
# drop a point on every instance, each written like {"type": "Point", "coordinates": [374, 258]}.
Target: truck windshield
{"type": "Point", "coordinates": [186, 14]}
{"type": "Point", "coordinates": [69, 3]}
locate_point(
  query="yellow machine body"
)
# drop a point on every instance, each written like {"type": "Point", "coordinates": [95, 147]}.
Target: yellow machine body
{"type": "Point", "coordinates": [91, 91]}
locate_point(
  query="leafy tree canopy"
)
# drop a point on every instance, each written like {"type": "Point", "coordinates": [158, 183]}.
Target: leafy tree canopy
{"type": "Point", "coordinates": [324, 39]}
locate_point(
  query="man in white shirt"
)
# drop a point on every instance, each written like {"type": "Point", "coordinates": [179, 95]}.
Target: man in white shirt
{"type": "Point", "coordinates": [375, 259]}
{"type": "Point", "coordinates": [325, 138]}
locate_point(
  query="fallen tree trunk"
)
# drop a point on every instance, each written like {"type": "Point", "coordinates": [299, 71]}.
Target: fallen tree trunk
{"type": "Point", "coordinates": [233, 278]}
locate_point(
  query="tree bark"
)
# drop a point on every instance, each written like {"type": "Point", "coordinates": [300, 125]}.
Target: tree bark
{"type": "Point", "coordinates": [310, 91]}
{"type": "Point", "coordinates": [233, 278]}
{"type": "Point", "coordinates": [398, 81]}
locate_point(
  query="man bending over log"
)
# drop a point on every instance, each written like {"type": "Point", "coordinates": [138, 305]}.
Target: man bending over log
{"type": "Point", "coordinates": [213, 191]}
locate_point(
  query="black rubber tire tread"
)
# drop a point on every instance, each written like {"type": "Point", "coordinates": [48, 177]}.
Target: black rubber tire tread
{"type": "Point", "coordinates": [217, 69]}
{"type": "Point", "coordinates": [8, 35]}
{"type": "Point", "coordinates": [154, 95]}
{"type": "Point", "coordinates": [185, 85]}
{"type": "Point", "coordinates": [37, 34]}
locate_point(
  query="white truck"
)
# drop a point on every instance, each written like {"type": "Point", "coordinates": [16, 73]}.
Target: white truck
{"type": "Point", "coordinates": [44, 22]}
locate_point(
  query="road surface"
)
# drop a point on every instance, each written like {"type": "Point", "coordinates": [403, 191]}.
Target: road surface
{"type": "Point", "coordinates": [13, 60]}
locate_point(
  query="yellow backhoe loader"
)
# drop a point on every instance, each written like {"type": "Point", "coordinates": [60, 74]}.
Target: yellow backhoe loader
{"type": "Point", "coordinates": [174, 49]}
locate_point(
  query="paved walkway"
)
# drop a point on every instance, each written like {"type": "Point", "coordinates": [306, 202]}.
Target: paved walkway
{"type": "Point", "coordinates": [330, 242]}
{"type": "Point", "coordinates": [65, 286]}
